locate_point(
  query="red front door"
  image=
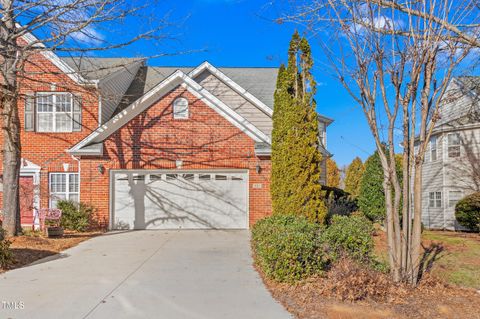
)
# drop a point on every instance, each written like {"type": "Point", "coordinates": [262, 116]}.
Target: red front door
{"type": "Point", "coordinates": [26, 200]}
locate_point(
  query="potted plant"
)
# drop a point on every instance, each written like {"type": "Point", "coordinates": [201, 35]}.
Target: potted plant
{"type": "Point", "coordinates": [54, 231]}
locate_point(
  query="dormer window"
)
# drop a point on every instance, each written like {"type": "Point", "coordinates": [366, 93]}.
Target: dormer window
{"type": "Point", "coordinates": [180, 108]}
{"type": "Point", "coordinates": [53, 112]}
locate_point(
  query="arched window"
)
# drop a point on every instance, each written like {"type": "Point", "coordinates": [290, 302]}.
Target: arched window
{"type": "Point", "coordinates": [180, 108]}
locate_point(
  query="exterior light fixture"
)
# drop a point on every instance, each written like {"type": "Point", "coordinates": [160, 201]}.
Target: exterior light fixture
{"type": "Point", "coordinates": [178, 164]}
{"type": "Point", "coordinates": [101, 168]}
{"type": "Point", "coordinates": [258, 168]}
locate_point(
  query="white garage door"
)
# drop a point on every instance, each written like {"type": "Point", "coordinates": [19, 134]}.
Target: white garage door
{"type": "Point", "coordinates": [174, 200]}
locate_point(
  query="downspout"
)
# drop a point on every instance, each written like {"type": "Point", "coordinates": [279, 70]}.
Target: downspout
{"type": "Point", "coordinates": [79, 170]}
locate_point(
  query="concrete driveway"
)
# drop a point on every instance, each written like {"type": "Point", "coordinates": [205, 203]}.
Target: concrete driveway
{"type": "Point", "coordinates": [144, 274]}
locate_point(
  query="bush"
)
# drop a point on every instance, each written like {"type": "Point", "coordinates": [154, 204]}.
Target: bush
{"type": "Point", "coordinates": [75, 216]}
{"type": "Point", "coordinates": [343, 205]}
{"type": "Point", "coordinates": [6, 256]}
{"type": "Point", "coordinates": [467, 212]}
{"type": "Point", "coordinates": [287, 248]}
{"type": "Point", "coordinates": [351, 236]}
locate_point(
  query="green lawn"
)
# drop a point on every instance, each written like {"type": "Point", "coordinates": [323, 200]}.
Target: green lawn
{"type": "Point", "coordinates": [459, 262]}
{"type": "Point", "coordinates": [453, 256]}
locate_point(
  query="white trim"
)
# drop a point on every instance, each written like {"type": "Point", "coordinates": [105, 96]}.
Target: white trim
{"type": "Point", "coordinates": [164, 87]}
{"type": "Point", "coordinates": [59, 63]}
{"type": "Point", "coordinates": [67, 186]}
{"type": "Point", "coordinates": [33, 170]}
{"type": "Point", "coordinates": [54, 112]}
{"type": "Point", "coordinates": [232, 84]}
{"type": "Point", "coordinates": [185, 112]}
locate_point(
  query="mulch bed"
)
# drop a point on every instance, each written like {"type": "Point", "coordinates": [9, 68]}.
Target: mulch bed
{"type": "Point", "coordinates": [352, 291]}
{"type": "Point", "coordinates": [29, 248]}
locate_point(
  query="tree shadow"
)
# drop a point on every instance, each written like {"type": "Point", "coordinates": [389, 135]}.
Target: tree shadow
{"type": "Point", "coordinates": [173, 199]}
{"type": "Point", "coordinates": [431, 254]}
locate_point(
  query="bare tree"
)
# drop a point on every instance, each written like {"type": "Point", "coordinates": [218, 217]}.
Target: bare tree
{"type": "Point", "coordinates": [68, 26]}
{"type": "Point", "coordinates": [396, 60]}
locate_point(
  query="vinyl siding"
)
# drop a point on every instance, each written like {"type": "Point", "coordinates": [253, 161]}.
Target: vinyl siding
{"type": "Point", "coordinates": [238, 103]}
{"type": "Point", "coordinates": [450, 174]}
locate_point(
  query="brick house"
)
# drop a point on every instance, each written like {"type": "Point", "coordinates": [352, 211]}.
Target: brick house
{"type": "Point", "coordinates": [148, 147]}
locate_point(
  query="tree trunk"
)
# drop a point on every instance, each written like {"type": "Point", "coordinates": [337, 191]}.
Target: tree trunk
{"type": "Point", "coordinates": [11, 165]}
{"type": "Point", "coordinates": [417, 225]}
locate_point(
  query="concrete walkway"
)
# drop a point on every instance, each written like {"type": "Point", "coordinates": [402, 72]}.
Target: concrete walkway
{"type": "Point", "coordinates": [144, 274]}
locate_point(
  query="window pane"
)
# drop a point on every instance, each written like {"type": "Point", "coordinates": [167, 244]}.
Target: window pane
{"type": "Point", "coordinates": [45, 103]}
{"type": "Point", "coordinates": [453, 139]}
{"type": "Point", "coordinates": [439, 199]}
{"type": "Point", "coordinates": [63, 103]}
{"type": "Point", "coordinates": [63, 122]}
{"type": "Point", "coordinates": [59, 183]}
{"type": "Point", "coordinates": [73, 183]}
{"type": "Point", "coordinates": [45, 122]}
{"type": "Point", "coordinates": [73, 197]}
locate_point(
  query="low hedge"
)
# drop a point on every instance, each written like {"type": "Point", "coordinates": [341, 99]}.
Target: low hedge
{"type": "Point", "coordinates": [75, 216]}
{"type": "Point", "coordinates": [349, 235]}
{"type": "Point", "coordinates": [467, 212]}
{"type": "Point", "coordinates": [287, 248]}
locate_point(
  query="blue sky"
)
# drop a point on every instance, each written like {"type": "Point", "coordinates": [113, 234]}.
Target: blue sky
{"type": "Point", "coordinates": [242, 33]}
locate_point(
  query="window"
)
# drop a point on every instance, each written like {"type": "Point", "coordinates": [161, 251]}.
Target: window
{"type": "Point", "coordinates": [204, 177]}
{"type": "Point", "coordinates": [433, 148]}
{"type": "Point", "coordinates": [180, 108]}
{"type": "Point", "coordinates": [63, 186]}
{"type": "Point", "coordinates": [453, 145]}
{"type": "Point", "coordinates": [454, 197]}
{"type": "Point", "coordinates": [435, 199]}
{"type": "Point", "coordinates": [53, 112]}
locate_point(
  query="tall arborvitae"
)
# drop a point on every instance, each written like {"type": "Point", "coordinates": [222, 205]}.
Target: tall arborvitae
{"type": "Point", "coordinates": [353, 177]}
{"type": "Point", "coordinates": [295, 155]}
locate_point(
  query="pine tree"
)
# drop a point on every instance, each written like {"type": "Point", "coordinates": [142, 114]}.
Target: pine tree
{"type": "Point", "coordinates": [296, 159]}
{"type": "Point", "coordinates": [353, 177]}
{"type": "Point", "coordinates": [333, 173]}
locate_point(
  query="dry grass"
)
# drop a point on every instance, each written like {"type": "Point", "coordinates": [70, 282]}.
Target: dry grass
{"type": "Point", "coordinates": [352, 291]}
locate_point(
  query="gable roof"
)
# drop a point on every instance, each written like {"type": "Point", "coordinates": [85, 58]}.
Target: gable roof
{"type": "Point", "coordinates": [260, 82]}
{"type": "Point", "coordinates": [88, 146]}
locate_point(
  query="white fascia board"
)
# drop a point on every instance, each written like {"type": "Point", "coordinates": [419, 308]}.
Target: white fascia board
{"type": "Point", "coordinates": [59, 63]}
{"type": "Point", "coordinates": [177, 78]}
{"type": "Point", "coordinates": [232, 84]}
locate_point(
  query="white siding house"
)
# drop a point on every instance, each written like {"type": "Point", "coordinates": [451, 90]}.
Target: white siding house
{"type": "Point", "coordinates": [452, 161]}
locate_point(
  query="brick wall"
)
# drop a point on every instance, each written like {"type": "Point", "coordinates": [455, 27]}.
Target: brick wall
{"type": "Point", "coordinates": [154, 140]}
{"type": "Point", "coordinates": [48, 150]}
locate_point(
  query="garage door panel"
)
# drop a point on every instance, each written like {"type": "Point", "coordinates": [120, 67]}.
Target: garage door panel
{"type": "Point", "coordinates": [180, 200]}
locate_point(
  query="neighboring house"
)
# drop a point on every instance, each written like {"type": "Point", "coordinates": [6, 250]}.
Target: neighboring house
{"type": "Point", "coordinates": [148, 147]}
{"type": "Point", "coordinates": [452, 163]}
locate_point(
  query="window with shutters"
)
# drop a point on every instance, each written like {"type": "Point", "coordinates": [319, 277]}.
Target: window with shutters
{"type": "Point", "coordinates": [53, 112]}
